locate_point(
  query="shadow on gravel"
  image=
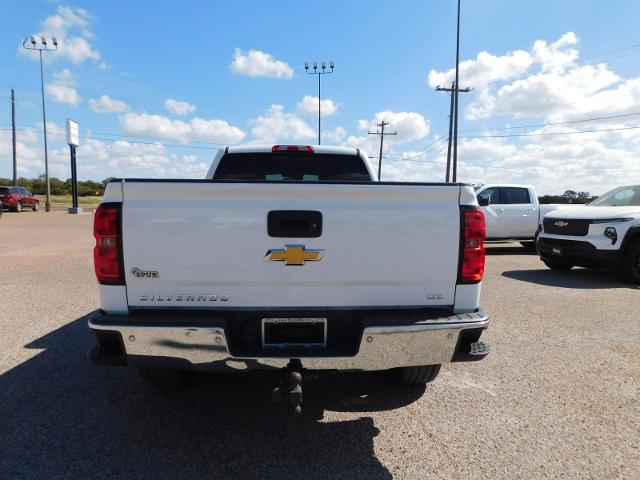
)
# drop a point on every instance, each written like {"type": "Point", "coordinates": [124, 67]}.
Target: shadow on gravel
{"type": "Point", "coordinates": [62, 417]}
{"type": "Point", "coordinates": [579, 278]}
{"type": "Point", "coordinates": [508, 249]}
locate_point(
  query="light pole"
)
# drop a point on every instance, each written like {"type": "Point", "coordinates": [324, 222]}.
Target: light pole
{"type": "Point", "coordinates": [32, 43]}
{"type": "Point", "coordinates": [319, 73]}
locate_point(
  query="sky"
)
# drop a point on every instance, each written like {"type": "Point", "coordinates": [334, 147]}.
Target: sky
{"type": "Point", "coordinates": [158, 88]}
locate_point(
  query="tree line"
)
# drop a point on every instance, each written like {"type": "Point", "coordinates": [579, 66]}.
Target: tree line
{"type": "Point", "coordinates": [86, 188]}
{"type": "Point", "coordinates": [568, 196]}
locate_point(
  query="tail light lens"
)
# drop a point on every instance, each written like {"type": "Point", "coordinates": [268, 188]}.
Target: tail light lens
{"type": "Point", "coordinates": [292, 148]}
{"type": "Point", "coordinates": [473, 253]}
{"type": "Point", "coordinates": [107, 254]}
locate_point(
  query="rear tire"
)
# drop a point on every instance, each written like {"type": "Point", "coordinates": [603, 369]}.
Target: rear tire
{"type": "Point", "coordinates": [418, 375]}
{"type": "Point", "coordinates": [36, 206]}
{"type": "Point", "coordinates": [630, 266]}
{"type": "Point", "coordinates": [557, 265]}
{"type": "Point", "coordinates": [18, 208]}
{"type": "Point", "coordinates": [162, 378]}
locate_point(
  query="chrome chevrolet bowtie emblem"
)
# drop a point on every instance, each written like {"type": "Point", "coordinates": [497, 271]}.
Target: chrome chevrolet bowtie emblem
{"type": "Point", "coordinates": [293, 255]}
{"type": "Point", "coordinates": [561, 224]}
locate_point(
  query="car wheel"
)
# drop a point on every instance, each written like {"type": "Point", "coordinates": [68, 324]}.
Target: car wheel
{"type": "Point", "coordinates": [417, 375]}
{"type": "Point", "coordinates": [557, 264]}
{"type": "Point", "coordinates": [36, 206]}
{"type": "Point", "coordinates": [162, 378]}
{"type": "Point", "coordinates": [18, 208]}
{"type": "Point", "coordinates": [630, 267]}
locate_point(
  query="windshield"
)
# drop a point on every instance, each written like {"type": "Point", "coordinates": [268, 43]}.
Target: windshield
{"type": "Point", "coordinates": [291, 166]}
{"type": "Point", "coordinates": [619, 197]}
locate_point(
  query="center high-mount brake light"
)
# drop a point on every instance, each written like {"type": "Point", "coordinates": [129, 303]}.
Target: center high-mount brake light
{"type": "Point", "coordinates": [107, 254]}
{"type": "Point", "coordinates": [473, 252]}
{"type": "Point", "coordinates": [292, 148]}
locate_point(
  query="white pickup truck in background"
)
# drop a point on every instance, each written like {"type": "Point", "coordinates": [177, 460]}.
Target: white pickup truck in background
{"type": "Point", "coordinates": [512, 212]}
{"type": "Point", "coordinates": [288, 258]}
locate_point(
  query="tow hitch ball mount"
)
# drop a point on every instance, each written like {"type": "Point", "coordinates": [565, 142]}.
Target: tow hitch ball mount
{"type": "Point", "coordinates": [290, 388]}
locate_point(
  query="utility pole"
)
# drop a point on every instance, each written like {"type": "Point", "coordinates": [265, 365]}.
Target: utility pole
{"type": "Point", "coordinates": [455, 113]}
{"type": "Point", "coordinates": [319, 73]}
{"type": "Point", "coordinates": [31, 43]}
{"type": "Point", "coordinates": [13, 136]}
{"type": "Point", "coordinates": [451, 112]}
{"type": "Point", "coordinates": [382, 133]}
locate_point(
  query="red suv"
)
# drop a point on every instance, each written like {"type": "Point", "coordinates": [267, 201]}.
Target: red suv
{"type": "Point", "coordinates": [18, 198]}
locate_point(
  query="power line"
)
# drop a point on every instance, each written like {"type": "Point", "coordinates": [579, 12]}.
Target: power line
{"type": "Point", "coordinates": [554, 123]}
{"type": "Point", "coordinates": [554, 133]}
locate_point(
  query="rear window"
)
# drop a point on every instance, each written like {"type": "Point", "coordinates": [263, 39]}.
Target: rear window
{"type": "Point", "coordinates": [4, 190]}
{"type": "Point", "coordinates": [515, 195]}
{"type": "Point", "coordinates": [291, 166]}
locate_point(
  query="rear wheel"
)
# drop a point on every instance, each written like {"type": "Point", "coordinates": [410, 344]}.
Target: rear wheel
{"type": "Point", "coordinates": [18, 208]}
{"type": "Point", "coordinates": [417, 375]}
{"type": "Point", "coordinates": [36, 206]}
{"type": "Point", "coordinates": [557, 264]}
{"type": "Point", "coordinates": [162, 378]}
{"type": "Point", "coordinates": [630, 267]}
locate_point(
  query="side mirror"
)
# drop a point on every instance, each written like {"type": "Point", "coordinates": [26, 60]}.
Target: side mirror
{"type": "Point", "coordinates": [484, 200]}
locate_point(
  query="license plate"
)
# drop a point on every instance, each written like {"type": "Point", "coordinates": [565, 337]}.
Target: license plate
{"type": "Point", "coordinates": [294, 332]}
{"type": "Point", "coordinates": [556, 251]}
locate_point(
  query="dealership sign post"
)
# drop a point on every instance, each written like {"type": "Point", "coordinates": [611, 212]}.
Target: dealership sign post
{"type": "Point", "coordinates": [73, 139]}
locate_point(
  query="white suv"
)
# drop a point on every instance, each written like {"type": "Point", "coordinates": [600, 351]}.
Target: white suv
{"type": "Point", "coordinates": [603, 233]}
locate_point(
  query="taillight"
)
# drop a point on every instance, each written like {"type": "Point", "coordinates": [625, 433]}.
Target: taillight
{"type": "Point", "coordinates": [107, 256]}
{"type": "Point", "coordinates": [473, 252]}
{"type": "Point", "coordinates": [292, 148]}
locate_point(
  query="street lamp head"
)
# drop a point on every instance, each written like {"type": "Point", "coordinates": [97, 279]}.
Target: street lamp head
{"type": "Point", "coordinates": [306, 65]}
{"type": "Point", "coordinates": [55, 41]}
{"type": "Point", "coordinates": [324, 65]}
{"type": "Point", "coordinates": [43, 39]}
{"type": "Point", "coordinates": [331, 64]}
{"type": "Point", "coordinates": [315, 65]}
{"type": "Point", "coordinates": [32, 38]}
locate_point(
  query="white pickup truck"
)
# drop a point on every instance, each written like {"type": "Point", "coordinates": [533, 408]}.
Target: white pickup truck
{"type": "Point", "coordinates": [512, 212]}
{"type": "Point", "coordinates": [288, 258]}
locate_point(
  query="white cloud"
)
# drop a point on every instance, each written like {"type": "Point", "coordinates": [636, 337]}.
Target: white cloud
{"type": "Point", "coordinates": [309, 106]}
{"type": "Point", "coordinates": [70, 26]}
{"type": "Point", "coordinates": [276, 126]}
{"type": "Point", "coordinates": [557, 89]}
{"type": "Point", "coordinates": [484, 69]}
{"type": "Point", "coordinates": [335, 136]}
{"type": "Point", "coordinates": [256, 63]}
{"type": "Point", "coordinates": [63, 94]}
{"type": "Point", "coordinates": [410, 126]}
{"type": "Point", "coordinates": [178, 107]}
{"type": "Point", "coordinates": [106, 104]}
{"type": "Point", "coordinates": [64, 76]}
{"type": "Point", "coordinates": [197, 129]}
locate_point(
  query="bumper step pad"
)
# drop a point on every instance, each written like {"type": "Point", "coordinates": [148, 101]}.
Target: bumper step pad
{"type": "Point", "coordinates": [479, 349]}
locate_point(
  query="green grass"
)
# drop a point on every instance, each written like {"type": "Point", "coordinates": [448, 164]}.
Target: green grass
{"type": "Point", "coordinates": [66, 200]}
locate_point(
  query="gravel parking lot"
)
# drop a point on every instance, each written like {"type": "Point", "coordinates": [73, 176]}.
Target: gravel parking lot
{"type": "Point", "coordinates": [558, 398]}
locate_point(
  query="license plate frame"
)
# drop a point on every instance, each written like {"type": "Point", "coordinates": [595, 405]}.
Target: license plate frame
{"type": "Point", "coordinates": [275, 328]}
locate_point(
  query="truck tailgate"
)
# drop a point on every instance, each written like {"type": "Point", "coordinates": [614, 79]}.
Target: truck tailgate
{"type": "Point", "coordinates": [202, 244]}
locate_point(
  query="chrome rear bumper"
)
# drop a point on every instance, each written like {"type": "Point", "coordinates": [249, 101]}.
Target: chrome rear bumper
{"type": "Point", "coordinates": [428, 342]}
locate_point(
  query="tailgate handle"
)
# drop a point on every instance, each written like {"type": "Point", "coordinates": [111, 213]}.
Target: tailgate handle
{"type": "Point", "coordinates": [294, 223]}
